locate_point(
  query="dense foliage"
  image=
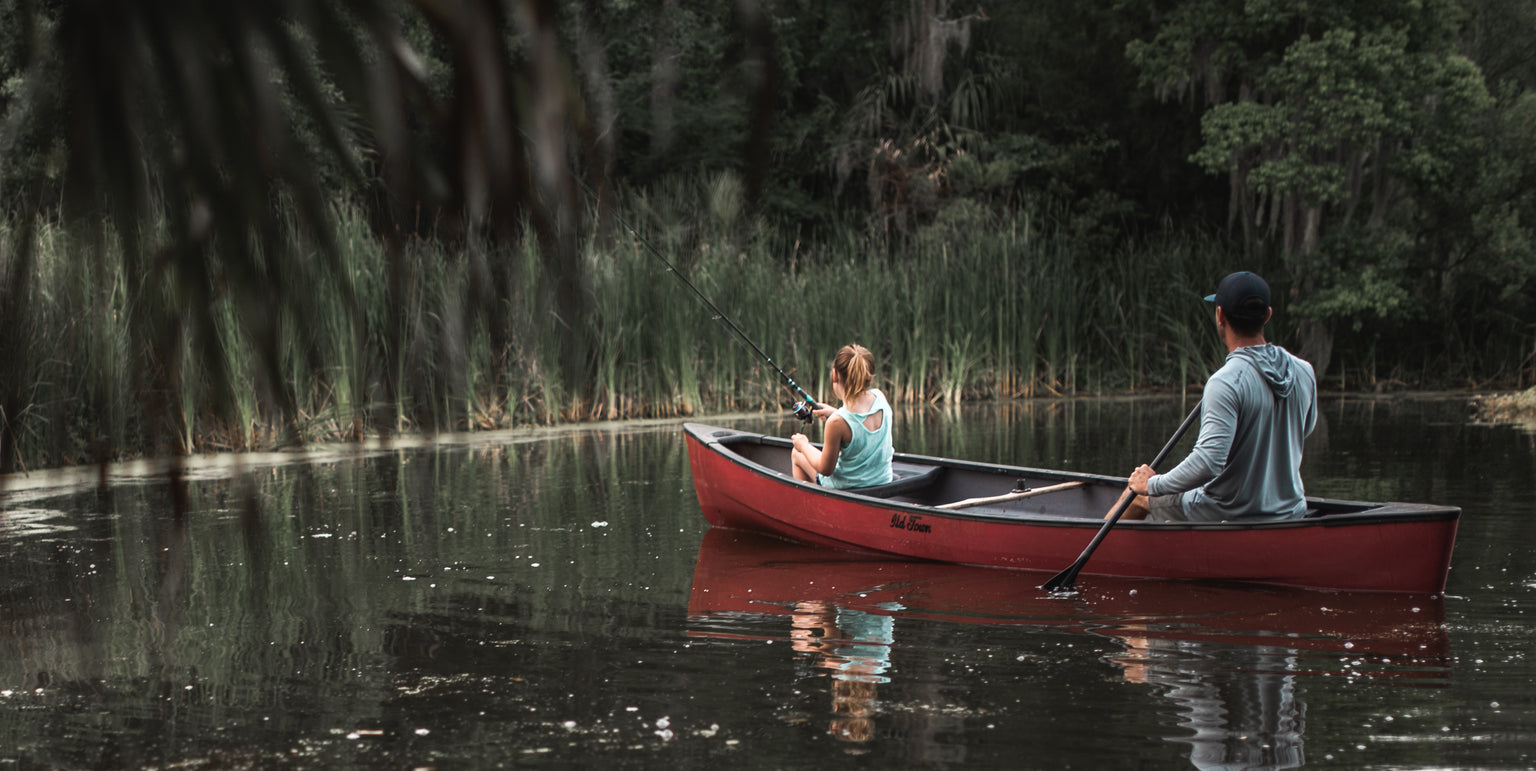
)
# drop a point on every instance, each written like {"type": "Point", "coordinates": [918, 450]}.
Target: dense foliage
{"type": "Point", "coordinates": [225, 221]}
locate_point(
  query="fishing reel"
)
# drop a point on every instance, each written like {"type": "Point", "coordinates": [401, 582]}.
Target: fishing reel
{"type": "Point", "coordinates": [805, 410]}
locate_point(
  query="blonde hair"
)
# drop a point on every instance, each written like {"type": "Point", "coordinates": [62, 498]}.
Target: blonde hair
{"type": "Point", "coordinates": [855, 367]}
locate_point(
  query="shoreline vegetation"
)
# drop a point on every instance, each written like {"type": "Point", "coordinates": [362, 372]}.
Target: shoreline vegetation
{"type": "Point", "coordinates": [252, 225]}
{"type": "Point", "coordinates": [997, 316]}
{"type": "Point", "coordinates": [980, 309]}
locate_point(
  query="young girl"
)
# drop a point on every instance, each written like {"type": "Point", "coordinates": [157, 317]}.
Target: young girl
{"type": "Point", "coordinates": [857, 451]}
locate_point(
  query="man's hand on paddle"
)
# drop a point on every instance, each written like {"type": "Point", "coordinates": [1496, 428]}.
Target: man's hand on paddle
{"type": "Point", "coordinates": [1139, 477]}
{"type": "Point", "coordinates": [1135, 488]}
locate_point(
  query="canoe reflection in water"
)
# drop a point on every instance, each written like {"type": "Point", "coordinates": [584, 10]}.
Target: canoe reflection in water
{"type": "Point", "coordinates": [1227, 657]}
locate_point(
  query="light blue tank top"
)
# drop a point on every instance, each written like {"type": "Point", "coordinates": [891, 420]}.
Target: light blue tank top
{"type": "Point", "coordinates": [866, 460]}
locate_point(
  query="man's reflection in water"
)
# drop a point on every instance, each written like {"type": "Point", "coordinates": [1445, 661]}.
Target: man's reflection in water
{"type": "Point", "coordinates": [854, 647]}
{"type": "Point", "coordinates": [1240, 702]}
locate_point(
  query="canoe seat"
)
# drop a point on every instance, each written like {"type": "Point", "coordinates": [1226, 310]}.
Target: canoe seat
{"type": "Point", "coordinates": [905, 477]}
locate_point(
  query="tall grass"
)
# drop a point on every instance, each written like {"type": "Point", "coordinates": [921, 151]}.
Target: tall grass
{"type": "Point", "coordinates": [979, 305]}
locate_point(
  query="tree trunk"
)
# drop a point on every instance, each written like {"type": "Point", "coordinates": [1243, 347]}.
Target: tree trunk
{"type": "Point", "coordinates": [1315, 343]}
{"type": "Point", "coordinates": [664, 77]}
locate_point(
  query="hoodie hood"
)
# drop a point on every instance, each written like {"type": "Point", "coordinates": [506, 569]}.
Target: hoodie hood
{"type": "Point", "coordinates": [1272, 362]}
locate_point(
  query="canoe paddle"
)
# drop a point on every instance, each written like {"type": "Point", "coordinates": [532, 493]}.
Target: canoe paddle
{"type": "Point", "coordinates": [1062, 582]}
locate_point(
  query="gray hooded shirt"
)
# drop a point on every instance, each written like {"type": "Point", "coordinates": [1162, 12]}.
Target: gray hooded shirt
{"type": "Point", "coordinates": [1254, 416]}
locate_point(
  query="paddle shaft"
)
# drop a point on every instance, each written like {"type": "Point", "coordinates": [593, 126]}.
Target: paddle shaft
{"type": "Point", "coordinates": [1062, 582]}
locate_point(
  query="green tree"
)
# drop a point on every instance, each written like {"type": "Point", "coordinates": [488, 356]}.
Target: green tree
{"type": "Point", "coordinates": [1498, 37]}
{"type": "Point", "coordinates": [1330, 123]}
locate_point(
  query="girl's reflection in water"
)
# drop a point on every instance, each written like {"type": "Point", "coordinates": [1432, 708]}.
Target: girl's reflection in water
{"type": "Point", "coordinates": [854, 647]}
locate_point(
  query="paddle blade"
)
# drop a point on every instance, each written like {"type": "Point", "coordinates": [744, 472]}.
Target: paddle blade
{"type": "Point", "coordinates": [1063, 582]}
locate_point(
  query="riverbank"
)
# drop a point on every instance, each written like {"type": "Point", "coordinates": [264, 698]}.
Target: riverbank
{"type": "Point", "coordinates": [211, 461]}
{"type": "Point", "coordinates": [1519, 407]}
{"type": "Point", "coordinates": [216, 464]}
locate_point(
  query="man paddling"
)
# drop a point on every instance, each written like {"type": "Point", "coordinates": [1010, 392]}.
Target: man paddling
{"type": "Point", "coordinates": [1254, 415]}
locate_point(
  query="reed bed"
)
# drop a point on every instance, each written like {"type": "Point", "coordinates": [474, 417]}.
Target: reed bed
{"type": "Point", "coordinates": [976, 305]}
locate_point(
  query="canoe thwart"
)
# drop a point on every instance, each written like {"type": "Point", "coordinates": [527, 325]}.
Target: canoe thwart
{"type": "Point", "coordinates": [1022, 494]}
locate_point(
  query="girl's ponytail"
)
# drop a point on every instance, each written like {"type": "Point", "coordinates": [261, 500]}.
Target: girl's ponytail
{"type": "Point", "coordinates": [855, 366]}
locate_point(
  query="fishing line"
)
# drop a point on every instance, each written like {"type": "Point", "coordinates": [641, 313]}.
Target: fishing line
{"type": "Point", "coordinates": [803, 409]}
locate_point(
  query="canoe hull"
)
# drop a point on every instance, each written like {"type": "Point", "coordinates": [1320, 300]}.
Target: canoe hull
{"type": "Point", "coordinates": [1386, 547]}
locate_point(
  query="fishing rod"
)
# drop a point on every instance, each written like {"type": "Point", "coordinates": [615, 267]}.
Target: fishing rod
{"type": "Point", "coordinates": [803, 409]}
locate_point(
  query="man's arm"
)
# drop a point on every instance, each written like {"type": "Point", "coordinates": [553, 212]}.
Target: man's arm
{"type": "Point", "coordinates": [1218, 424]}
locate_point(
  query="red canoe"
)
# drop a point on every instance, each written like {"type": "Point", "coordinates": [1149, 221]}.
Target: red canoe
{"type": "Point", "coordinates": [937, 510]}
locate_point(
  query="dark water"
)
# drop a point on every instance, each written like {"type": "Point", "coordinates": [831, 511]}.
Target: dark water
{"type": "Point", "coordinates": [556, 600]}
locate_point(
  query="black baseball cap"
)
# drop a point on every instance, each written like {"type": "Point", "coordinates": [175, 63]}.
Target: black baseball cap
{"type": "Point", "coordinates": [1243, 296]}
